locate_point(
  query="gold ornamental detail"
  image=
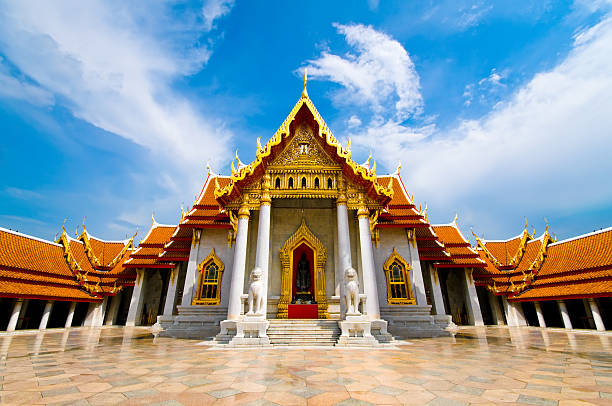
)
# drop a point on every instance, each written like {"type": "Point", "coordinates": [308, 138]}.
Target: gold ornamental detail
{"type": "Point", "coordinates": [399, 286]}
{"type": "Point", "coordinates": [324, 134]}
{"type": "Point", "coordinates": [303, 235]}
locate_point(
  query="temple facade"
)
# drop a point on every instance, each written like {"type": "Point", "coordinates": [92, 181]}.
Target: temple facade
{"type": "Point", "coordinates": [306, 246]}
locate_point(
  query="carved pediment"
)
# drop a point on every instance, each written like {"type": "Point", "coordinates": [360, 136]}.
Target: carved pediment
{"type": "Point", "coordinates": [303, 149]}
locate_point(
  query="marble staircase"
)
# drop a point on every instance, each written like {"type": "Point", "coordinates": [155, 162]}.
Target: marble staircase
{"type": "Point", "coordinates": [304, 332]}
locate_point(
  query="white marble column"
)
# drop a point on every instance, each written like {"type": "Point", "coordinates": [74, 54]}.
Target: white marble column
{"type": "Point", "coordinates": [234, 306]}
{"type": "Point", "coordinates": [133, 317]}
{"type": "Point", "coordinates": [372, 308]}
{"type": "Point", "coordinates": [520, 315]}
{"type": "Point", "coordinates": [192, 269]}
{"type": "Point", "coordinates": [599, 324]}
{"type": "Point", "coordinates": [91, 314]}
{"type": "Point", "coordinates": [44, 320]}
{"type": "Point", "coordinates": [262, 255]}
{"type": "Point", "coordinates": [70, 315]}
{"type": "Point", "coordinates": [15, 315]}
{"type": "Point", "coordinates": [113, 311]}
{"type": "Point", "coordinates": [567, 323]}
{"type": "Point", "coordinates": [510, 314]}
{"type": "Point", "coordinates": [171, 291]}
{"type": "Point", "coordinates": [344, 242]}
{"type": "Point", "coordinates": [101, 312]}
{"type": "Point", "coordinates": [498, 317]}
{"type": "Point", "coordinates": [416, 275]}
{"type": "Point", "coordinates": [22, 314]}
{"type": "Point", "coordinates": [473, 305]}
{"type": "Point", "coordinates": [540, 314]}
{"type": "Point", "coordinates": [436, 291]}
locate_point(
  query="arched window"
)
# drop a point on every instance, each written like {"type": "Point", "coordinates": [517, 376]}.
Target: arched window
{"type": "Point", "coordinates": [316, 185]}
{"type": "Point", "coordinates": [397, 270]}
{"type": "Point", "coordinates": [209, 281]}
{"type": "Point", "coordinates": [277, 183]}
{"type": "Point", "coordinates": [330, 184]}
{"type": "Point", "coordinates": [290, 183]}
{"type": "Point", "coordinates": [303, 182]}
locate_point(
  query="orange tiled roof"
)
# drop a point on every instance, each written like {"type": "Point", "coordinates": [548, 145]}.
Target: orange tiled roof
{"type": "Point", "coordinates": [151, 247]}
{"type": "Point", "coordinates": [35, 268]}
{"type": "Point", "coordinates": [461, 253]}
{"type": "Point", "coordinates": [577, 267]}
{"type": "Point", "coordinates": [449, 234]}
{"type": "Point", "coordinates": [108, 253]}
{"type": "Point", "coordinates": [400, 196]}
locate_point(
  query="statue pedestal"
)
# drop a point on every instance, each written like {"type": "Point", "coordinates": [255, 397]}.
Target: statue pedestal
{"type": "Point", "coordinates": [358, 331]}
{"type": "Point", "coordinates": [248, 331]}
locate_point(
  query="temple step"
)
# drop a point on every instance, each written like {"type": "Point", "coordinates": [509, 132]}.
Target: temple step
{"type": "Point", "coordinates": [303, 332]}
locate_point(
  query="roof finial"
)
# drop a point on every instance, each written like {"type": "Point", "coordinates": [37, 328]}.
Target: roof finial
{"type": "Point", "coordinates": [305, 92]}
{"type": "Point", "coordinates": [208, 168]}
{"type": "Point", "coordinates": [153, 218]}
{"type": "Point", "coordinates": [456, 218]}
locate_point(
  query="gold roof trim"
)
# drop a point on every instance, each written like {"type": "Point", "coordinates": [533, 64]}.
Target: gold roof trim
{"type": "Point", "coordinates": [521, 248]}
{"type": "Point", "coordinates": [490, 256]}
{"type": "Point", "coordinates": [324, 132]}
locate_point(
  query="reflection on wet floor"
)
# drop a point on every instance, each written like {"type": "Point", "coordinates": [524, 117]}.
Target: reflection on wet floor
{"type": "Point", "coordinates": [95, 366]}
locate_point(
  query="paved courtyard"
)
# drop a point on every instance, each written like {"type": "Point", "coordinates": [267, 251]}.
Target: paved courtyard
{"type": "Point", "coordinates": [128, 366]}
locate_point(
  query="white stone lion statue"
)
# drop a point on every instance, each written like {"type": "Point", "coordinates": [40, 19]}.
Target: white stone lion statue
{"type": "Point", "coordinates": [351, 291]}
{"type": "Point", "coordinates": [256, 293]}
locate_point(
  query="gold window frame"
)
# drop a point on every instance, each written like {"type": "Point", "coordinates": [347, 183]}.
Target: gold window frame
{"type": "Point", "coordinates": [197, 298]}
{"type": "Point", "coordinates": [410, 299]}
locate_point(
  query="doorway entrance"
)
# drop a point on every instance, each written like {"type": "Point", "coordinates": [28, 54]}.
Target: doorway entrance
{"type": "Point", "coordinates": [303, 276]}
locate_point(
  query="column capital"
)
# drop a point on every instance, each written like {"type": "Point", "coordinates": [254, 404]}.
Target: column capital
{"type": "Point", "coordinates": [243, 212]}
{"type": "Point", "coordinates": [362, 210]}
{"type": "Point", "coordinates": [341, 191]}
{"type": "Point", "coordinates": [265, 190]}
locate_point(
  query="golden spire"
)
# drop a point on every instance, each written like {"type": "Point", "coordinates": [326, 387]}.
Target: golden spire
{"type": "Point", "coordinates": [305, 92]}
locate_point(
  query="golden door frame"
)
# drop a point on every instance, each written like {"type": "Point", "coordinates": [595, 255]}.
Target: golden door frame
{"type": "Point", "coordinates": [303, 235]}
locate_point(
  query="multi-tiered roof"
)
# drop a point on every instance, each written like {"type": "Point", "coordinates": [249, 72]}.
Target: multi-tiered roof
{"type": "Point", "coordinates": [83, 269]}
{"type": "Point", "coordinates": [528, 268]}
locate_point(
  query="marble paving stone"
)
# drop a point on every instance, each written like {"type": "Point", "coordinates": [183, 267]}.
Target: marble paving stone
{"type": "Point", "coordinates": [479, 366]}
{"type": "Point", "coordinates": [533, 400]}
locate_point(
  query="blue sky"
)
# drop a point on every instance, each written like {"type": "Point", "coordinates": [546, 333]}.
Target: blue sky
{"type": "Point", "coordinates": [499, 111]}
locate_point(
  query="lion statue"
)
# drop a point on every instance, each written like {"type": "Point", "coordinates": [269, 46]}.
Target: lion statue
{"type": "Point", "coordinates": [351, 291]}
{"type": "Point", "coordinates": [256, 293]}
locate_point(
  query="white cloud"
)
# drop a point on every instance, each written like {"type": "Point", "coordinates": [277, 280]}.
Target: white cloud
{"type": "Point", "coordinates": [380, 73]}
{"type": "Point", "coordinates": [545, 151]}
{"type": "Point", "coordinates": [213, 10]}
{"type": "Point", "coordinates": [14, 88]}
{"type": "Point", "coordinates": [113, 64]}
{"type": "Point", "coordinates": [542, 152]}
{"type": "Point", "coordinates": [353, 122]}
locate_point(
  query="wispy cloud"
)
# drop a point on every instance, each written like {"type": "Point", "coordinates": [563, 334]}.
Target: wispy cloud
{"type": "Point", "coordinates": [378, 73]}
{"type": "Point", "coordinates": [23, 194]}
{"type": "Point", "coordinates": [379, 79]}
{"type": "Point", "coordinates": [19, 89]}
{"type": "Point", "coordinates": [486, 90]}
{"type": "Point", "coordinates": [213, 10]}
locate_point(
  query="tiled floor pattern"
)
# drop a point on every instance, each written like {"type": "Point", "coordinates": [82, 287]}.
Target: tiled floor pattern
{"type": "Point", "coordinates": [127, 366]}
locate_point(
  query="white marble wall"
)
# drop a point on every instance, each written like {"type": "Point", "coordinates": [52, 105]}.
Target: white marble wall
{"type": "Point", "coordinates": [391, 238]}
{"type": "Point", "coordinates": [210, 239]}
